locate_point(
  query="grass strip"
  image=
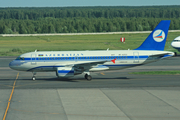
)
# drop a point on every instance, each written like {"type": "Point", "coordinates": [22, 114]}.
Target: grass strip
{"type": "Point", "coordinates": [15, 46]}
{"type": "Point", "coordinates": [174, 72]}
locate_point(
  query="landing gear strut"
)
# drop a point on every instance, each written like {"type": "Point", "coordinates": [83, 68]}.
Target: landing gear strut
{"type": "Point", "coordinates": [88, 77]}
{"type": "Point", "coordinates": [34, 76]}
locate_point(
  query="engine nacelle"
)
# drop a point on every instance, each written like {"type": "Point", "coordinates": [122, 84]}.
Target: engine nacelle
{"type": "Point", "coordinates": [65, 72]}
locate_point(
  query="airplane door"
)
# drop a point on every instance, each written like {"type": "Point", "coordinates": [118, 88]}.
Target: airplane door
{"type": "Point", "coordinates": [76, 58]}
{"type": "Point", "coordinates": [136, 57]}
{"type": "Point", "coordinates": [33, 59]}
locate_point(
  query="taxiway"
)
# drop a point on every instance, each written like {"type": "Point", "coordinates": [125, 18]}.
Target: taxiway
{"type": "Point", "coordinates": [110, 95]}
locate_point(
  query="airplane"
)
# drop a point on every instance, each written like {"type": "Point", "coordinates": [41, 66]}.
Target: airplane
{"type": "Point", "coordinates": [71, 63]}
{"type": "Point", "coordinates": [176, 43]}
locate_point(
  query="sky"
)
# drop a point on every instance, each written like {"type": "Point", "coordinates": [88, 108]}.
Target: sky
{"type": "Point", "coordinates": [69, 3]}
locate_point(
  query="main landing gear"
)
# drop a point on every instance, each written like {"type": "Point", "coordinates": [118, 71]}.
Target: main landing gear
{"type": "Point", "coordinates": [88, 77]}
{"type": "Point", "coordinates": [34, 76]}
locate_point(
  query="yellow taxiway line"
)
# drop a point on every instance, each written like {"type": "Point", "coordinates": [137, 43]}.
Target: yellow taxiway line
{"type": "Point", "coordinates": [102, 74]}
{"type": "Point", "coordinates": [5, 114]}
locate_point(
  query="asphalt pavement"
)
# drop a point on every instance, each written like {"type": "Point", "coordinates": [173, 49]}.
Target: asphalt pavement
{"type": "Point", "coordinates": [111, 95]}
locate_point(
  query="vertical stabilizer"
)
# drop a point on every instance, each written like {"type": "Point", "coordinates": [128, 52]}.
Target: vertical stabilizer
{"type": "Point", "coordinates": [157, 39]}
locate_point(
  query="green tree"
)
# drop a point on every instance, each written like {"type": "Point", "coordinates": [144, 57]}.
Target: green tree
{"type": "Point", "coordinates": [45, 28]}
{"type": "Point", "coordinates": [31, 29]}
{"type": "Point", "coordinates": [51, 28]}
{"type": "Point", "coordinates": [140, 28]}
{"type": "Point", "coordinates": [100, 26]}
{"type": "Point", "coordinates": [22, 29]}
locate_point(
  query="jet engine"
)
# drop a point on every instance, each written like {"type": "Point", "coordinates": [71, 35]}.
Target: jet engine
{"type": "Point", "coordinates": [65, 72]}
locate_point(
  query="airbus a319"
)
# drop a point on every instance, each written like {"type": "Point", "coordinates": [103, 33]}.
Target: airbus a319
{"type": "Point", "coordinates": [71, 63]}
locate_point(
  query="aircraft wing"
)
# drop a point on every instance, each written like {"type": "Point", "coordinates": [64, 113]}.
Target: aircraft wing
{"type": "Point", "coordinates": [85, 66]}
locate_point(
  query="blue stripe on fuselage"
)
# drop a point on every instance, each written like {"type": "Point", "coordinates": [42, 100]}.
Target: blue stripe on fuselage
{"type": "Point", "coordinates": [39, 67]}
{"type": "Point", "coordinates": [86, 58]}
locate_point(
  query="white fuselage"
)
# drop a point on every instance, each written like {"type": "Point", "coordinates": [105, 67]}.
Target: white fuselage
{"type": "Point", "coordinates": [176, 43]}
{"type": "Point", "coordinates": [50, 61]}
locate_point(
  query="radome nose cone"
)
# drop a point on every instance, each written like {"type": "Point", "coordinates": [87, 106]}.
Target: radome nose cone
{"type": "Point", "coordinates": [172, 44]}
{"type": "Point", "coordinates": [11, 65]}
{"type": "Point", "coordinates": [17, 65]}
{"type": "Point", "coordinates": [175, 44]}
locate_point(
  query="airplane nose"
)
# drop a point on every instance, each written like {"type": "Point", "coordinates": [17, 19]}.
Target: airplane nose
{"type": "Point", "coordinates": [17, 65]}
{"type": "Point", "coordinates": [172, 44]}
{"type": "Point", "coordinates": [13, 65]}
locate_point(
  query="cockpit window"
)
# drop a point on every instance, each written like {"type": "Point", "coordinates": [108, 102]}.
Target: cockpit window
{"type": "Point", "coordinates": [19, 58]}
{"type": "Point", "coordinates": [176, 40]}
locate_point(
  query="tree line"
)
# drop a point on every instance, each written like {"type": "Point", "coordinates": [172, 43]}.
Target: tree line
{"type": "Point", "coordinates": [85, 19]}
{"type": "Point", "coordinates": [91, 12]}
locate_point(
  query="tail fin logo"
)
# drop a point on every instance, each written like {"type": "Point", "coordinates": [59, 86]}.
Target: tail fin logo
{"type": "Point", "coordinates": [159, 35]}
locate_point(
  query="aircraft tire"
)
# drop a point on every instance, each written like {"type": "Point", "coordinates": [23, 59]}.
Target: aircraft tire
{"type": "Point", "coordinates": [33, 78]}
{"type": "Point", "coordinates": [89, 78]}
{"type": "Point", "coordinates": [175, 53]}
{"type": "Point", "coordinates": [85, 76]}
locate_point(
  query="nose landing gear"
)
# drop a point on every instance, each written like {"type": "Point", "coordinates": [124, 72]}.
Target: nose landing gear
{"type": "Point", "coordinates": [34, 76]}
